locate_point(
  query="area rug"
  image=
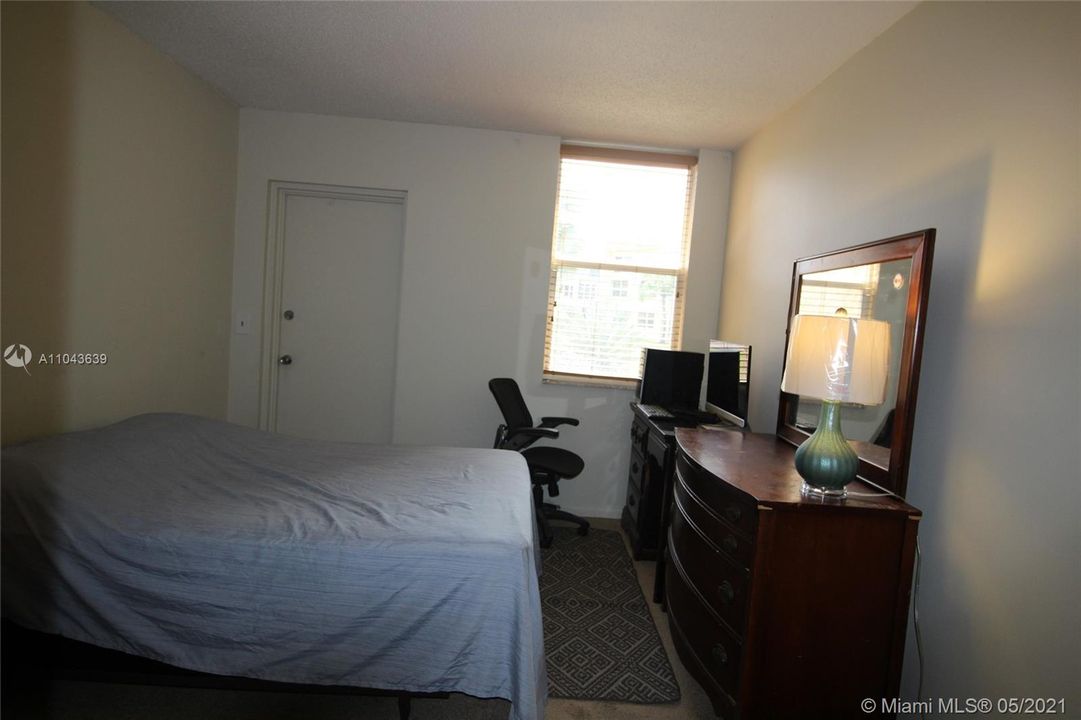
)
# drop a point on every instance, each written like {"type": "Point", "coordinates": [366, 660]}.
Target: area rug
{"type": "Point", "coordinates": [599, 638]}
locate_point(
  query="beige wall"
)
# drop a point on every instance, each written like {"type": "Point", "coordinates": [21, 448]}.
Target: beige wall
{"type": "Point", "coordinates": [119, 175]}
{"type": "Point", "coordinates": [474, 287]}
{"type": "Point", "coordinates": [963, 117]}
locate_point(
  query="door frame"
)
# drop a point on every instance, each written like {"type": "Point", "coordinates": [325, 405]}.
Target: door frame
{"type": "Point", "coordinates": [278, 194]}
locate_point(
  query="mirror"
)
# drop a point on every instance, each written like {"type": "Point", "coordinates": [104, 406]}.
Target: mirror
{"type": "Point", "coordinates": [885, 280]}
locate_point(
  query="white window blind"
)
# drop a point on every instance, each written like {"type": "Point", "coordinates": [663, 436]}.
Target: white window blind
{"type": "Point", "coordinates": [849, 289]}
{"type": "Point", "coordinates": [619, 261]}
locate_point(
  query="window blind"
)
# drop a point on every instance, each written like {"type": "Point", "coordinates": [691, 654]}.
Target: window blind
{"type": "Point", "coordinates": [619, 261]}
{"type": "Point", "coordinates": [849, 289]}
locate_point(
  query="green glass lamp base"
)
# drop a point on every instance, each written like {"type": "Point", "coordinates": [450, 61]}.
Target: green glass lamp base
{"type": "Point", "coordinates": [825, 461]}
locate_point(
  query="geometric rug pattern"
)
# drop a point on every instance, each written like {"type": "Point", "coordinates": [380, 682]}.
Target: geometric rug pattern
{"type": "Point", "coordinates": [599, 637]}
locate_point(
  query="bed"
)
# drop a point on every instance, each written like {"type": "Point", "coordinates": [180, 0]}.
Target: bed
{"type": "Point", "coordinates": [222, 549]}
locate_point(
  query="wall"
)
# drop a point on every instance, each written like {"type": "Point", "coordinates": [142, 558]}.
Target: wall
{"type": "Point", "coordinates": [963, 117]}
{"type": "Point", "coordinates": [478, 233]}
{"type": "Point", "coordinates": [119, 172]}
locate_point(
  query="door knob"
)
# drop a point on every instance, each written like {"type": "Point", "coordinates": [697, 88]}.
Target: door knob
{"type": "Point", "coordinates": [285, 360]}
{"type": "Point", "coordinates": [288, 314]}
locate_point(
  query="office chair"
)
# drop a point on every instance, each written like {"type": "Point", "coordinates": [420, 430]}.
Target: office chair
{"type": "Point", "coordinates": [547, 465]}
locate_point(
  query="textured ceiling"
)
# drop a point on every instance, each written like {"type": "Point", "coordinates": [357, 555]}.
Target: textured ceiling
{"type": "Point", "coordinates": [663, 74]}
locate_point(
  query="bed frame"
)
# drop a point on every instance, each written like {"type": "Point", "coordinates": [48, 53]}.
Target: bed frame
{"type": "Point", "coordinates": [30, 657]}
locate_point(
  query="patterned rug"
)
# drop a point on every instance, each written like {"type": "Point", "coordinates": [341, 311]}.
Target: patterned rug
{"type": "Point", "coordinates": [598, 635]}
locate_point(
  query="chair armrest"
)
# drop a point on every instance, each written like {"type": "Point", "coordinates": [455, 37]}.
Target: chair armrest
{"type": "Point", "coordinates": [549, 422]}
{"type": "Point", "coordinates": [533, 432]}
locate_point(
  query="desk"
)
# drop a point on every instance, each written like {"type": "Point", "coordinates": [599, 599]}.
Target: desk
{"type": "Point", "coordinates": [648, 505]}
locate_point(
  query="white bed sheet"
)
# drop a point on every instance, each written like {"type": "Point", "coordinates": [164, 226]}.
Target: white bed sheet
{"type": "Point", "coordinates": [223, 549]}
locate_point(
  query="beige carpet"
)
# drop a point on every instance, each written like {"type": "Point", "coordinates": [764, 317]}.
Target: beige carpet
{"type": "Point", "coordinates": [98, 701]}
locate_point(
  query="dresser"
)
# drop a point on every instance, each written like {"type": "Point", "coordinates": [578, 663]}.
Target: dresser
{"type": "Point", "coordinates": [781, 605]}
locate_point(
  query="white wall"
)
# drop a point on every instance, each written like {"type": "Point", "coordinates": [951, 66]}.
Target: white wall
{"type": "Point", "coordinates": [963, 117]}
{"type": "Point", "coordinates": [478, 235]}
{"type": "Point", "coordinates": [119, 180]}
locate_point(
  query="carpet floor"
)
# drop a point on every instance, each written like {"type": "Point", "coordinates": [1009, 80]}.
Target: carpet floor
{"type": "Point", "coordinates": [599, 638]}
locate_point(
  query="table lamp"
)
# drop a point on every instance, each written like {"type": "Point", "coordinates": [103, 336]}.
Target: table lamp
{"type": "Point", "coordinates": [835, 359]}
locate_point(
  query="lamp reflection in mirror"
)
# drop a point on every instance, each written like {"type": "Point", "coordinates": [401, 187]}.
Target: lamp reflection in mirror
{"type": "Point", "coordinates": [835, 359]}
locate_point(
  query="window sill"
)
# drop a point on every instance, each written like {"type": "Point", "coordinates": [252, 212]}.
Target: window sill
{"type": "Point", "coordinates": [584, 381]}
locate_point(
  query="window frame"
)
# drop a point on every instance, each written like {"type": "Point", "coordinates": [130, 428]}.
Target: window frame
{"type": "Point", "coordinates": [630, 157]}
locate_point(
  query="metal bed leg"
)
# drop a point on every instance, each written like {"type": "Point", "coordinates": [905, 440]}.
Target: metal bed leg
{"type": "Point", "coordinates": [405, 706]}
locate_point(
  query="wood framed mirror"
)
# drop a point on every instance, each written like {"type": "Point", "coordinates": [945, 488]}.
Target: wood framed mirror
{"type": "Point", "coordinates": [884, 280]}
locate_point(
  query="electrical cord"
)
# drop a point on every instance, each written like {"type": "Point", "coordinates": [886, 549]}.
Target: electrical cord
{"type": "Point", "coordinates": [883, 491]}
{"type": "Point", "coordinates": [915, 600]}
{"type": "Point", "coordinates": [916, 624]}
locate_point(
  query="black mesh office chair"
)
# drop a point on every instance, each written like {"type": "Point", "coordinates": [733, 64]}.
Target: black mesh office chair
{"type": "Point", "coordinates": [547, 465]}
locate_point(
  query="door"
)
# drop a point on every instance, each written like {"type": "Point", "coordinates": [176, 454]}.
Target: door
{"type": "Point", "coordinates": [337, 316]}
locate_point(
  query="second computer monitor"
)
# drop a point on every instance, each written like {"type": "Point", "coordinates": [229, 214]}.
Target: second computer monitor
{"type": "Point", "coordinates": [728, 379]}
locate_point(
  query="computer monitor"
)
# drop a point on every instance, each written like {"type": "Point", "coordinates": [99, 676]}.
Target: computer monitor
{"type": "Point", "coordinates": [671, 379]}
{"type": "Point", "coordinates": [728, 380]}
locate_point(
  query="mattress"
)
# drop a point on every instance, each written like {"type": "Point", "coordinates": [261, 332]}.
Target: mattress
{"type": "Point", "coordinates": [228, 550]}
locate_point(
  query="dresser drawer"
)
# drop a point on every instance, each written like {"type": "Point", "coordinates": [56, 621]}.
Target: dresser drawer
{"type": "Point", "coordinates": [719, 533]}
{"type": "Point", "coordinates": [722, 584]}
{"type": "Point", "coordinates": [726, 502]}
{"type": "Point", "coordinates": [717, 650]}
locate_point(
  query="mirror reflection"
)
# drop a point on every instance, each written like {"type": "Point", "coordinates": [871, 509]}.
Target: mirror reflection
{"type": "Point", "coordinates": [878, 291]}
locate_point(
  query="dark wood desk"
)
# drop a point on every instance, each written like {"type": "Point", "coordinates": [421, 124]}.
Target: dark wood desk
{"type": "Point", "coordinates": [652, 463]}
{"type": "Point", "coordinates": [782, 605]}
{"type": "Point", "coordinates": [647, 509]}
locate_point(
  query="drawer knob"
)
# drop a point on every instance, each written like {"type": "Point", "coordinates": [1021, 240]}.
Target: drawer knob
{"type": "Point", "coordinates": [729, 544]}
{"type": "Point", "coordinates": [726, 592]}
{"type": "Point", "coordinates": [733, 513]}
{"type": "Point", "coordinates": [720, 655]}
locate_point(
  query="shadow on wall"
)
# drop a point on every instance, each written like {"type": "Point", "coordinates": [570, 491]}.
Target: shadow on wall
{"type": "Point", "coordinates": [37, 86]}
{"type": "Point", "coordinates": [987, 437]}
{"type": "Point", "coordinates": [956, 203]}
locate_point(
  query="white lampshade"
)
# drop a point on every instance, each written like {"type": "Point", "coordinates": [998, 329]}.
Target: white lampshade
{"type": "Point", "coordinates": [838, 358]}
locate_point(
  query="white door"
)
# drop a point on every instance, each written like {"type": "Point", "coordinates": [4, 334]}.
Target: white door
{"type": "Point", "coordinates": [340, 270]}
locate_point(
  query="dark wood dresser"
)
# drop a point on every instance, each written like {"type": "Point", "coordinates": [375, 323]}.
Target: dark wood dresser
{"type": "Point", "coordinates": [780, 605]}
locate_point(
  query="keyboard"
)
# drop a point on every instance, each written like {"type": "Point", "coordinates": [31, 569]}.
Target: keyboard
{"type": "Point", "coordinates": [656, 412]}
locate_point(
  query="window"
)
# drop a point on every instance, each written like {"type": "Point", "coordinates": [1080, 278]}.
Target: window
{"type": "Point", "coordinates": [849, 289]}
{"type": "Point", "coordinates": [622, 230]}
